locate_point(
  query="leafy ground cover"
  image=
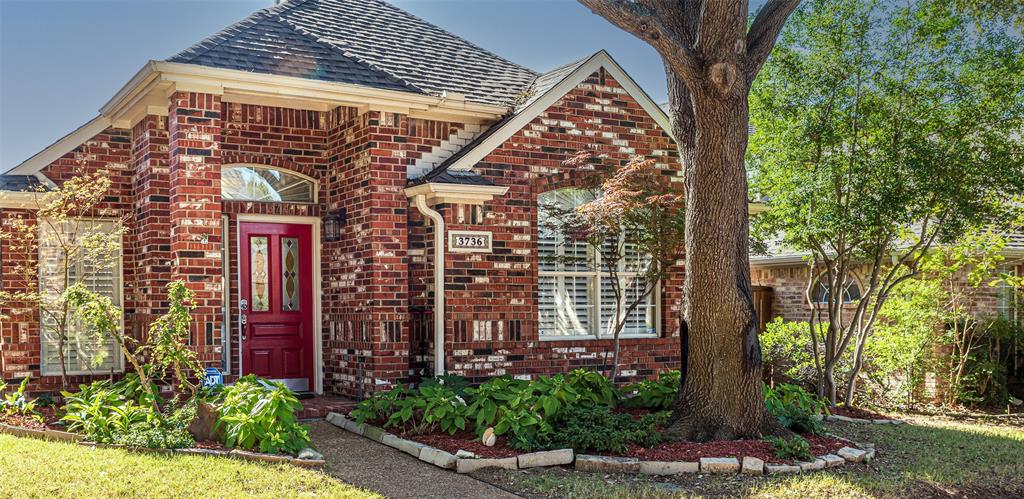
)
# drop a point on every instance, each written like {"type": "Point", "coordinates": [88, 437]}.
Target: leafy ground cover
{"type": "Point", "coordinates": [931, 457]}
{"type": "Point", "coordinates": [582, 410]}
{"type": "Point", "coordinates": [36, 468]}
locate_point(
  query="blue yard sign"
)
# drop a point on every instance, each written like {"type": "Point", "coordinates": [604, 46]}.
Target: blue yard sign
{"type": "Point", "coordinates": [213, 377]}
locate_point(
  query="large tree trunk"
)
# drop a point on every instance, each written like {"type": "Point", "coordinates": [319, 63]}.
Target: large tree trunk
{"type": "Point", "coordinates": [720, 397]}
{"type": "Point", "coordinates": [711, 59]}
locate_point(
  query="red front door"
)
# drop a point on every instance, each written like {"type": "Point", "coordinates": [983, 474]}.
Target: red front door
{"type": "Point", "coordinates": [276, 301]}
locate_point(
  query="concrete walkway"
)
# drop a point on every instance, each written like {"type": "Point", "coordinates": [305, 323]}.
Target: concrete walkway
{"type": "Point", "coordinates": [364, 463]}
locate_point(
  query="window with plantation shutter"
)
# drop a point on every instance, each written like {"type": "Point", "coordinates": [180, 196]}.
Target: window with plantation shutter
{"type": "Point", "coordinates": [574, 298]}
{"type": "Point", "coordinates": [99, 276]}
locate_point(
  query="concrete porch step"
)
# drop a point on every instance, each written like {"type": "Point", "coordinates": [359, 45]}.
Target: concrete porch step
{"type": "Point", "coordinates": [318, 407]}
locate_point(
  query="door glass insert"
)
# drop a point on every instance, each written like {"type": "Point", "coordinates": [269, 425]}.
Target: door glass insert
{"type": "Point", "coordinates": [260, 273]}
{"type": "Point", "coordinates": [289, 273]}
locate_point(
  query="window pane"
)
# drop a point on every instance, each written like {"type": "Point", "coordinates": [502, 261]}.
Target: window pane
{"type": "Point", "coordinates": [289, 273]}
{"type": "Point", "coordinates": [565, 305]}
{"type": "Point", "coordinates": [101, 274]}
{"type": "Point", "coordinates": [255, 183]}
{"type": "Point", "coordinates": [260, 268]}
{"type": "Point", "coordinates": [641, 321]}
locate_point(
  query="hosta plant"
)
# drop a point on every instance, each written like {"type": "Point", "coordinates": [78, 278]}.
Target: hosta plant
{"type": "Point", "coordinates": [257, 414]}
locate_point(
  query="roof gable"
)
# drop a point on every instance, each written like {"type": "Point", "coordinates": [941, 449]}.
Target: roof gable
{"type": "Point", "coordinates": [365, 42]}
{"type": "Point", "coordinates": [544, 92]}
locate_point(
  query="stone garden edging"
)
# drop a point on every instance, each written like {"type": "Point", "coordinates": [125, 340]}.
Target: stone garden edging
{"type": "Point", "coordinates": [312, 462]}
{"type": "Point", "coordinates": [602, 464]}
{"type": "Point", "coordinates": [845, 419]}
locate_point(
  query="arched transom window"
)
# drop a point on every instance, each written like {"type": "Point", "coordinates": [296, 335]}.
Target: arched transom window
{"type": "Point", "coordinates": [265, 183]}
{"type": "Point", "coordinates": [820, 293]}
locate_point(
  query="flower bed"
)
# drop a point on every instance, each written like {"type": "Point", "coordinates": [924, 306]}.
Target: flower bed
{"type": "Point", "coordinates": [749, 457]}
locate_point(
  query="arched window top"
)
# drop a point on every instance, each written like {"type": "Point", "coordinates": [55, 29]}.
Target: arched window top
{"type": "Point", "coordinates": [265, 183]}
{"type": "Point", "coordinates": [822, 291]}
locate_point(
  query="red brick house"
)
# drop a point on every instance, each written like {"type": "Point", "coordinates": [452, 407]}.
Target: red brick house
{"type": "Point", "coordinates": [352, 194]}
{"type": "Point", "coordinates": [780, 281]}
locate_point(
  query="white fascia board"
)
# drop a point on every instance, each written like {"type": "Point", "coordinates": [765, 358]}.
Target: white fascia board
{"type": "Point", "coordinates": [64, 145]}
{"type": "Point", "coordinates": [524, 117]}
{"type": "Point", "coordinates": [19, 200]}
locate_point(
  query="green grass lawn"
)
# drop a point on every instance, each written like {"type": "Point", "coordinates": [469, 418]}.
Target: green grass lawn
{"type": "Point", "coordinates": [35, 468]}
{"type": "Point", "coordinates": [929, 458]}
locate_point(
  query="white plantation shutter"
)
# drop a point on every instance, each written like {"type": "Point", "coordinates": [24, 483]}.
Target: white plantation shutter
{"type": "Point", "coordinates": [101, 277]}
{"type": "Point", "coordinates": [574, 299]}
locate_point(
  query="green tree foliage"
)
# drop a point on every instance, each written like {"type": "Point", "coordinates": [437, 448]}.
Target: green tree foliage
{"type": "Point", "coordinates": [883, 130]}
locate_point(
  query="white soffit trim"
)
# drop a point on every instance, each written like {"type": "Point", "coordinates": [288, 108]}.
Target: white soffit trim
{"type": "Point", "coordinates": [525, 116]}
{"type": "Point", "coordinates": [455, 193]}
{"type": "Point", "coordinates": [62, 146]}
{"type": "Point", "coordinates": [20, 200]}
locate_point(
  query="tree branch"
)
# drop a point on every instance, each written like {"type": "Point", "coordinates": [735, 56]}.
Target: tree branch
{"type": "Point", "coordinates": [765, 31]}
{"type": "Point", "coordinates": [642, 21]}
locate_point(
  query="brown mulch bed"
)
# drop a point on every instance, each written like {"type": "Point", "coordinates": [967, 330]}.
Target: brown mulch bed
{"type": "Point", "coordinates": [210, 445]}
{"type": "Point", "coordinates": [49, 415]}
{"type": "Point", "coordinates": [855, 412]}
{"type": "Point", "coordinates": [466, 441]}
{"type": "Point", "coordinates": [668, 451]}
{"type": "Point", "coordinates": [693, 451]}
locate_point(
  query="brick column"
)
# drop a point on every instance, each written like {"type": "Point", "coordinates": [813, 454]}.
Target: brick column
{"type": "Point", "coordinates": [150, 224]}
{"type": "Point", "coordinates": [194, 126]}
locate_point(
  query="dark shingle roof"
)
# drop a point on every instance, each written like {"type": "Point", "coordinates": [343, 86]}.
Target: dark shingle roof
{"type": "Point", "coordinates": [363, 42]}
{"type": "Point", "coordinates": [449, 177]}
{"type": "Point", "coordinates": [19, 183]}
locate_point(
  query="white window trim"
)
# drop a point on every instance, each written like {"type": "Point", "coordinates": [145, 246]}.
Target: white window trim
{"type": "Point", "coordinates": [594, 276]}
{"type": "Point", "coordinates": [118, 356]}
{"type": "Point", "coordinates": [852, 276]}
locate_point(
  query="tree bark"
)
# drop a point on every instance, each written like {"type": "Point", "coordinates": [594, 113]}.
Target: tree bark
{"type": "Point", "coordinates": [721, 394]}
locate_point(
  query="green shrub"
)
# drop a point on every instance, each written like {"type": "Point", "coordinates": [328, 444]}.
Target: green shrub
{"type": "Point", "coordinates": [17, 402]}
{"type": "Point", "coordinates": [105, 411]}
{"type": "Point", "coordinates": [381, 405]}
{"type": "Point", "coordinates": [653, 394]}
{"type": "Point", "coordinates": [797, 448]}
{"type": "Point", "coordinates": [260, 414]}
{"type": "Point", "coordinates": [592, 387]}
{"type": "Point", "coordinates": [795, 408]}
{"type": "Point", "coordinates": [786, 352]}
{"type": "Point", "coordinates": [488, 398]}
{"type": "Point", "coordinates": [597, 429]}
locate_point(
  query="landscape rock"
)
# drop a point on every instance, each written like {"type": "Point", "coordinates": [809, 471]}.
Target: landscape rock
{"type": "Point", "coordinates": [774, 469]}
{"type": "Point", "coordinates": [471, 465]}
{"type": "Point", "coordinates": [719, 465]}
{"type": "Point", "coordinates": [752, 466]}
{"type": "Point", "coordinates": [843, 419]}
{"type": "Point", "coordinates": [489, 438]}
{"type": "Point", "coordinates": [817, 464]}
{"type": "Point", "coordinates": [310, 454]}
{"type": "Point", "coordinates": [203, 427]}
{"type": "Point", "coordinates": [465, 454]}
{"type": "Point", "coordinates": [546, 458]}
{"type": "Point", "coordinates": [851, 454]}
{"type": "Point", "coordinates": [373, 433]}
{"type": "Point", "coordinates": [607, 464]}
{"type": "Point", "coordinates": [407, 446]}
{"type": "Point", "coordinates": [438, 457]}
{"type": "Point", "coordinates": [668, 467]}
{"type": "Point", "coordinates": [254, 456]}
{"type": "Point", "coordinates": [870, 456]}
{"type": "Point", "coordinates": [832, 460]}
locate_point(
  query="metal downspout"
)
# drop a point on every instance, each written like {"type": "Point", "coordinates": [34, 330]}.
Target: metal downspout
{"type": "Point", "coordinates": [439, 250]}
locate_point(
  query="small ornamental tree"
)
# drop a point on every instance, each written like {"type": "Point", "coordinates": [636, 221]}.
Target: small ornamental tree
{"type": "Point", "coordinates": [634, 221]}
{"type": "Point", "coordinates": [883, 131]}
{"type": "Point", "coordinates": [64, 230]}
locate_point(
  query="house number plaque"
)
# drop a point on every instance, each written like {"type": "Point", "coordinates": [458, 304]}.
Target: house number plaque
{"type": "Point", "coordinates": [469, 241]}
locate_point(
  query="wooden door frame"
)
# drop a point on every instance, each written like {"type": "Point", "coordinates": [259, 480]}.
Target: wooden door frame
{"type": "Point", "coordinates": [318, 340]}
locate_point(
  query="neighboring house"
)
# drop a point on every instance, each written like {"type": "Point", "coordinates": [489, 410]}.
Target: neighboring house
{"type": "Point", "coordinates": [316, 171]}
{"type": "Point", "coordinates": [781, 276]}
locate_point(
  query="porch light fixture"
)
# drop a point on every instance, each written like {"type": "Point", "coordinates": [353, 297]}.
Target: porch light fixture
{"type": "Point", "coordinates": [333, 221]}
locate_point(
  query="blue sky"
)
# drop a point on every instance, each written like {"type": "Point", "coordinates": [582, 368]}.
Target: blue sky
{"type": "Point", "coordinates": [61, 60]}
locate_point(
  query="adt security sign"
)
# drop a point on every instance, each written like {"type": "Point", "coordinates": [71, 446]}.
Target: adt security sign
{"type": "Point", "coordinates": [213, 377]}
